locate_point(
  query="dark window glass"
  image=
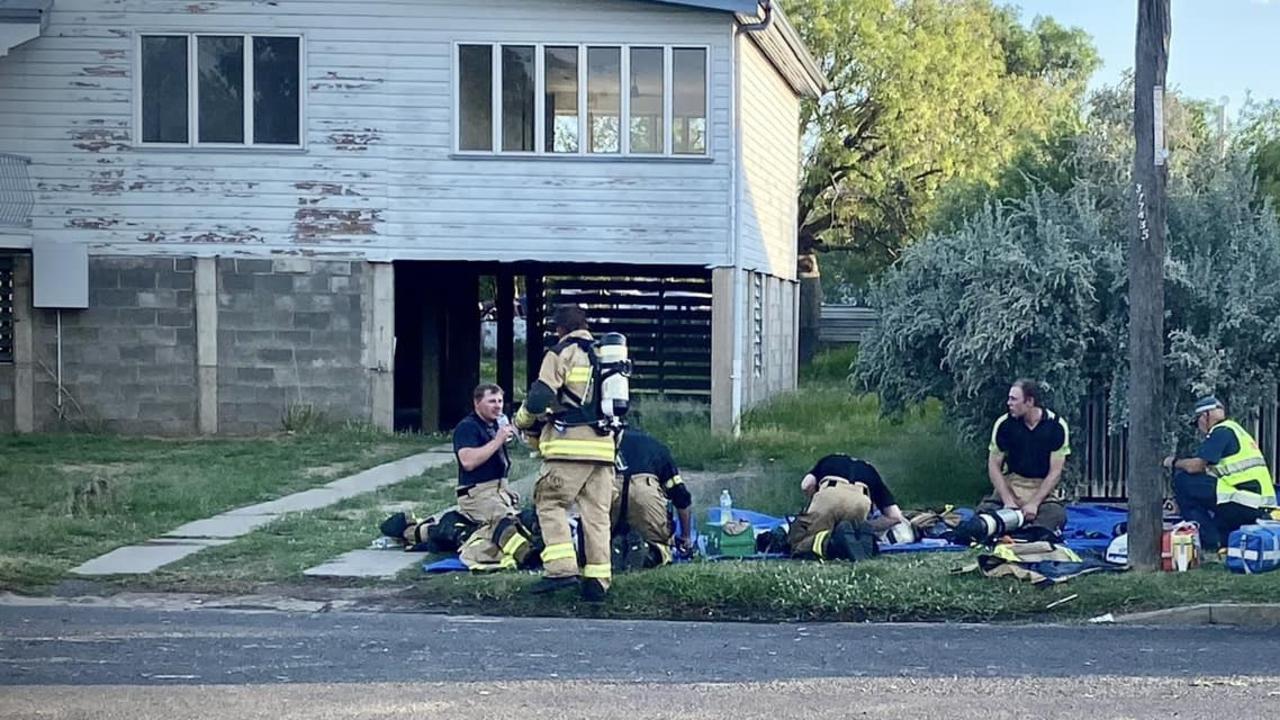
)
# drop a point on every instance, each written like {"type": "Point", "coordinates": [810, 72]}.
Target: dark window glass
{"type": "Point", "coordinates": [276, 95]}
{"type": "Point", "coordinates": [220, 102]}
{"type": "Point", "coordinates": [519, 83]}
{"type": "Point", "coordinates": [475, 97]}
{"type": "Point", "coordinates": [164, 89]}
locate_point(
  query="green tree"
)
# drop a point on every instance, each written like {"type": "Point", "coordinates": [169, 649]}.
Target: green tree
{"type": "Point", "coordinates": [925, 93]}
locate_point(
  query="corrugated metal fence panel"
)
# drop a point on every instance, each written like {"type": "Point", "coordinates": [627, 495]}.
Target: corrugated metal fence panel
{"type": "Point", "coordinates": [667, 321]}
{"type": "Point", "coordinates": [846, 323]}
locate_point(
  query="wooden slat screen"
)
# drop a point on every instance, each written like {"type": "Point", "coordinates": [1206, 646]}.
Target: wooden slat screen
{"type": "Point", "coordinates": [667, 321]}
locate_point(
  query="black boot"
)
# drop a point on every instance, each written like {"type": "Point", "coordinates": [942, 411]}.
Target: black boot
{"type": "Point", "coordinates": [593, 591]}
{"type": "Point", "coordinates": [394, 526]}
{"type": "Point", "coordinates": [552, 584]}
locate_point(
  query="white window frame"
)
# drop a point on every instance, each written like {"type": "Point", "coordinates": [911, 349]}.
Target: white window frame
{"type": "Point", "coordinates": [540, 128]}
{"type": "Point", "coordinates": [193, 91]}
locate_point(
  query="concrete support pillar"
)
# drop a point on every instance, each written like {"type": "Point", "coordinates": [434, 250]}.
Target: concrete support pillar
{"type": "Point", "coordinates": [380, 349]}
{"type": "Point", "coordinates": [723, 326]}
{"type": "Point", "coordinates": [24, 408]}
{"type": "Point", "coordinates": [207, 344]}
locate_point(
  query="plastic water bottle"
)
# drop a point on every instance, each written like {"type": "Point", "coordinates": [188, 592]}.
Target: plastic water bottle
{"type": "Point", "coordinates": [726, 506]}
{"type": "Point", "coordinates": [503, 421]}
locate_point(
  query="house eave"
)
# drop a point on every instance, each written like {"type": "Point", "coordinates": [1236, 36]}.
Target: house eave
{"type": "Point", "coordinates": [22, 21]}
{"type": "Point", "coordinates": [782, 45]}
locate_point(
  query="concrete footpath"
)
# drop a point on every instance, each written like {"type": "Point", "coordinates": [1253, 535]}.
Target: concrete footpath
{"type": "Point", "coordinates": [389, 562]}
{"type": "Point", "coordinates": [221, 529]}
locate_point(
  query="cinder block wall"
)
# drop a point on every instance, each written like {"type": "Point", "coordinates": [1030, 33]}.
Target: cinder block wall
{"type": "Point", "coordinates": [290, 335]}
{"type": "Point", "coordinates": [6, 398]}
{"type": "Point", "coordinates": [290, 332]}
{"type": "Point", "coordinates": [128, 362]}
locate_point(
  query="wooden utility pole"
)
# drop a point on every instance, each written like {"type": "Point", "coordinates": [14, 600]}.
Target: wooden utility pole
{"type": "Point", "coordinates": [1146, 288]}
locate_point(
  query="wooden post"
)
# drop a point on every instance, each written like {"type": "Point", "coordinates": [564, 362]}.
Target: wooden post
{"type": "Point", "coordinates": [534, 311]}
{"type": "Point", "coordinates": [1146, 288]}
{"type": "Point", "coordinates": [505, 300]}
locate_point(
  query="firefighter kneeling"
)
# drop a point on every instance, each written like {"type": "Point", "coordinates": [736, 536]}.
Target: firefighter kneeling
{"type": "Point", "coordinates": [841, 493]}
{"type": "Point", "coordinates": [647, 480]}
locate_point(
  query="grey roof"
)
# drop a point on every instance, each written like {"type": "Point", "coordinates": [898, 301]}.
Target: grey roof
{"type": "Point", "coordinates": [737, 6]}
{"type": "Point", "coordinates": [24, 10]}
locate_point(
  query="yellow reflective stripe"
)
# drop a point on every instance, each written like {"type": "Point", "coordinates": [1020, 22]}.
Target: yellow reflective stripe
{"type": "Point", "coordinates": [559, 551]}
{"type": "Point", "coordinates": [674, 482]}
{"type": "Point", "coordinates": [600, 572]}
{"type": "Point", "coordinates": [1232, 468]}
{"type": "Point", "coordinates": [507, 562]}
{"type": "Point", "coordinates": [594, 449]}
{"type": "Point", "coordinates": [513, 544]}
{"type": "Point", "coordinates": [579, 374]}
{"type": "Point", "coordinates": [818, 541]}
{"type": "Point", "coordinates": [524, 418]}
{"type": "Point", "coordinates": [1246, 498]}
{"type": "Point", "coordinates": [665, 553]}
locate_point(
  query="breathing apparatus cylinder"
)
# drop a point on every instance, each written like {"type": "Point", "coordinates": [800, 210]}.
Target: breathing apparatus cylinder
{"type": "Point", "coordinates": [989, 524]}
{"type": "Point", "coordinates": [615, 369]}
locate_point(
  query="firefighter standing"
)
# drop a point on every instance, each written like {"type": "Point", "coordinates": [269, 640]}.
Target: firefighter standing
{"type": "Point", "coordinates": [646, 468]}
{"type": "Point", "coordinates": [578, 460]}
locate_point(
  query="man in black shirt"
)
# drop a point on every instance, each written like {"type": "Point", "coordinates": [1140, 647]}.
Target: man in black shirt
{"type": "Point", "coordinates": [1029, 447]}
{"type": "Point", "coordinates": [646, 467]}
{"type": "Point", "coordinates": [479, 443]}
{"type": "Point", "coordinates": [841, 491]}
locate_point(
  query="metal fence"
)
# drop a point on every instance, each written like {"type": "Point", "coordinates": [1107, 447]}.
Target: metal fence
{"type": "Point", "coordinates": [16, 196]}
{"type": "Point", "coordinates": [841, 324]}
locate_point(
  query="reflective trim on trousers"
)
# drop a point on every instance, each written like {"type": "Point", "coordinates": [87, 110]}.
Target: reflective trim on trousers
{"type": "Point", "coordinates": [818, 541]}
{"type": "Point", "coordinates": [512, 545]}
{"type": "Point", "coordinates": [559, 551]}
{"type": "Point", "coordinates": [600, 572]}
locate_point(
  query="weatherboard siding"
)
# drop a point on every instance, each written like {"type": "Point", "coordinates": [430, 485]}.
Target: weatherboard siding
{"type": "Point", "coordinates": [377, 177]}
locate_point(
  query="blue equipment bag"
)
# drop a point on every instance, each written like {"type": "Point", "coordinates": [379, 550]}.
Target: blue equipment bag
{"type": "Point", "coordinates": [1254, 548]}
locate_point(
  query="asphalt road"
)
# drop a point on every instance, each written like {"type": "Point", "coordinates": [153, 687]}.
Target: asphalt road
{"type": "Point", "coordinates": [99, 662]}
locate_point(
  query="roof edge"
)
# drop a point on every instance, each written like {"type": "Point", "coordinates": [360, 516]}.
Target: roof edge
{"type": "Point", "coordinates": [25, 11]}
{"type": "Point", "coordinates": [786, 50]}
{"type": "Point", "coordinates": [734, 6]}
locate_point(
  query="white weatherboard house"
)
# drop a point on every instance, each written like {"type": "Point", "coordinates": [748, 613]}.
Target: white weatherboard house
{"type": "Point", "coordinates": [213, 211]}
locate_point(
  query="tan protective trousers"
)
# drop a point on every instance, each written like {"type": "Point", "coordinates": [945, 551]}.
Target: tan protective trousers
{"type": "Point", "coordinates": [562, 483]}
{"type": "Point", "coordinates": [488, 504]}
{"type": "Point", "coordinates": [646, 512]}
{"type": "Point", "coordinates": [835, 501]}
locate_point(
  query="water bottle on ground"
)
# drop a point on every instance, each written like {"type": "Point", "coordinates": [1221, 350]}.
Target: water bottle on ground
{"type": "Point", "coordinates": [726, 506]}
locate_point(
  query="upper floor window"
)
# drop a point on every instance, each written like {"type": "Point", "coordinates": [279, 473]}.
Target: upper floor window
{"type": "Point", "coordinates": [636, 100]}
{"type": "Point", "coordinates": [222, 90]}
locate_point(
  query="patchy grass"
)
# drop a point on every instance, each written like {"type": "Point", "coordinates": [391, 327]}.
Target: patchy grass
{"type": "Point", "coordinates": [919, 457]}
{"type": "Point", "coordinates": [280, 551]}
{"type": "Point", "coordinates": [913, 588]}
{"type": "Point", "coordinates": [68, 498]}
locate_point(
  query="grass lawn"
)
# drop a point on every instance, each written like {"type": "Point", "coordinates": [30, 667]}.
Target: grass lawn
{"type": "Point", "coordinates": [919, 458]}
{"type": "Point", "coordinates": [68, 498]}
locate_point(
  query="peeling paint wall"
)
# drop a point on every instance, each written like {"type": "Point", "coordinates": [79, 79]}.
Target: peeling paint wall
{"type": "Point", "coordinates": [376, 178]}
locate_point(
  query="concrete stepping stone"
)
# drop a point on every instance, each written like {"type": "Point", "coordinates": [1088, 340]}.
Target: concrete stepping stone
{"type": "Point", "coordinates": [367, 564]}
{"type": "Point", "coordinates": [145, 558]}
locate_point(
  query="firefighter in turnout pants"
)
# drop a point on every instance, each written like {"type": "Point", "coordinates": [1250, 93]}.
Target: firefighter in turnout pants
{"type": "Point", "coordinates": [578, 460]}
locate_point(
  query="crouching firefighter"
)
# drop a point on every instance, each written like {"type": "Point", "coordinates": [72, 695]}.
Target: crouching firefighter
{"type": "Point", "coordinates": [647, 480]}
{"type": "Point", "coordinates": [581, 396]}
{"type": "Point", "coordinates": [499, 541]}
{"type": "Point", "coordinates": [841, 492]}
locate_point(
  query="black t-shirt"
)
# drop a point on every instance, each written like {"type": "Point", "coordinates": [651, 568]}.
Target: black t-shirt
{"type": "Point", "coordinates": [855, 470]}
{"type": "Point", "coordinates": [1027, 451]}
{"type": "Point", "coordinates": [473, 432]}
{"type": "Point", "coordinates": [640, 453]}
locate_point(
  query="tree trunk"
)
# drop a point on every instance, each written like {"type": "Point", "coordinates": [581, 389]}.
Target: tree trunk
{"type": "Point", "coordinates": [810, 305]}
{"type": "Point", "coordinates": [1146, 288]}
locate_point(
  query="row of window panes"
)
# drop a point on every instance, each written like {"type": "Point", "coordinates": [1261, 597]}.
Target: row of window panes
{"type": "Point", "coordinates": [560, 85]}
{"type": "Point", "coordinates": [227, 67]}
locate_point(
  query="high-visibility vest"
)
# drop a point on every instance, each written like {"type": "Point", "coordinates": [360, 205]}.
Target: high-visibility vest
{"type": "Point", "coordinates": [1246, 465]}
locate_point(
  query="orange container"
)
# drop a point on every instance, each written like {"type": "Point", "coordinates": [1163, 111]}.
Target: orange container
{"type": "Point", "coordinates": [1180, 547]}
